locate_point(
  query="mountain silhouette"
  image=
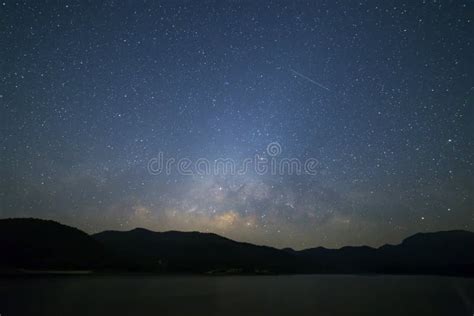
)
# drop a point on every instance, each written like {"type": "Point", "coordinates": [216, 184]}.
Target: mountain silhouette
{"type": "Point", "coordinates": [37, 244]}
{"type": "Point", "coordinates": [43, 244]}
{"type": "Point", "coordinates": [174, 251]}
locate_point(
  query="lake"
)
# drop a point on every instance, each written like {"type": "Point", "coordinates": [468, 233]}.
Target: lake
{"type": "Point", "coordinates": [236, 295]}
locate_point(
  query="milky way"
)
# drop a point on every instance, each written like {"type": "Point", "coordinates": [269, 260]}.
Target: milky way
{"type": "Point", "coordinates": [380, 94]}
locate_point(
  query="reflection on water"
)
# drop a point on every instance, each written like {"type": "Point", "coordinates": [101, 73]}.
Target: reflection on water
{"type": "Point", "coordinates": [237, 295]}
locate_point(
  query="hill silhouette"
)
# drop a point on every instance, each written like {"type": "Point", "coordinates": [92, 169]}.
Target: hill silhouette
{"type": "Point", "coordinates": [43, 244]}
{"type": "Point", "coordinates": [48, 245]}
{"type": "Point", "coordinates": [174, 251]}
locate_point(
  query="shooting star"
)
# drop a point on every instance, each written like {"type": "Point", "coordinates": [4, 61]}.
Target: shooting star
{"type": "Point", "coordinates": [309, 79]}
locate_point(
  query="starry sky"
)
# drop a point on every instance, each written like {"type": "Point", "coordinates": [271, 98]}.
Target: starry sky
{"type": "Point", "coordinates": [380, 93]}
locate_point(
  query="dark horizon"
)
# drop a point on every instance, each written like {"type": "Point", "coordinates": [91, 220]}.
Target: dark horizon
{"type": "Point", "coordinates": [236, 240]}
{"type": "Point", "coordinates": [36, 246]}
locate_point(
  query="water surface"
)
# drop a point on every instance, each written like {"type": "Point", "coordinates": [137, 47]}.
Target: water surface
{"type": "Point", "coordinates": [237, 295]}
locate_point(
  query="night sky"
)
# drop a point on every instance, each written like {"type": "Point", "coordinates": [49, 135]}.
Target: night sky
{"type": "Point", "coordinates": [380, 94]}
